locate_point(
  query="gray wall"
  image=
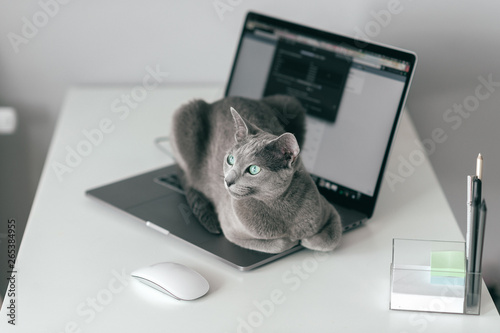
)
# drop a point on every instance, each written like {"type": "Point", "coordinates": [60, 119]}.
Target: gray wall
{"type": "Point", "coordinates": [459, 50]}
{"type": "Point", "coordinates": [99, 42]}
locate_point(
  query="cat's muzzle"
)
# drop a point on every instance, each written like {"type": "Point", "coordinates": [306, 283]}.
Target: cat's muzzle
{"type": "Point", "coordinates": [230, 178]}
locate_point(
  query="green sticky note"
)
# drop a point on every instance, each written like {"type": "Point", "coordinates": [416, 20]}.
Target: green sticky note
{"type": "Point", "coordinates": [448, 267]}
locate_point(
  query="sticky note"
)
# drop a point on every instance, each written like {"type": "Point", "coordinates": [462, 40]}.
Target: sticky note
{"type": "Point", "coordinates": [448, 267]}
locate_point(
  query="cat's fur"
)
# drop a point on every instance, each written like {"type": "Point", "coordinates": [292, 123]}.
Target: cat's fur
{"type": "Point", "coordinates": [271, 211]}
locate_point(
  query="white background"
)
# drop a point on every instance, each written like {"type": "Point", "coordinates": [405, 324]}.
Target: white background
{"type": "Point", "coordinates": [102, 42]}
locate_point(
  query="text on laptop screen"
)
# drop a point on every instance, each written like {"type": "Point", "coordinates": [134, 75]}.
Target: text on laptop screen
{"type": "Point", "coordinates": [351, 97]}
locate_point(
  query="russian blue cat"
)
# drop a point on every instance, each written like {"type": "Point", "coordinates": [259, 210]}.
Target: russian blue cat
{"type": "Point", "coordinates": [243, 175]}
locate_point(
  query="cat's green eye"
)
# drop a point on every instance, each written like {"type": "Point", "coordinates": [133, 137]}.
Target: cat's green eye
{"type": "Point", "coordinates": [254, 169]}
{"type": "Point", "coordinates": [230, 159]}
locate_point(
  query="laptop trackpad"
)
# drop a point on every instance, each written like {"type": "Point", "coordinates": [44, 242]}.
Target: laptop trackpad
{"type": "Point", "coordinates": [172, 213]}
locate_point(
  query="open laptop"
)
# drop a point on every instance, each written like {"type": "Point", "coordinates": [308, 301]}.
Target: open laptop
{"type": "Point", "coordinates": [353, 92]}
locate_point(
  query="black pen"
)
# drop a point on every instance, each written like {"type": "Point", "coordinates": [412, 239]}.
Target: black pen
{"type": "Point", "coordinates": [480, 236]}
{"type": "Point", "coordinates": [474, 194]}
{"type": "Point", "coordinates": [475, 280]}
{"type": "Point", "coordinates": [476, 219]}
{"type": "Point", "coordinates": [472, 235]}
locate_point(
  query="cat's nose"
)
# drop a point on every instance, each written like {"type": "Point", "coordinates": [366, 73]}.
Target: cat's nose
{"type": "Point", "coordinates": [230, 178]}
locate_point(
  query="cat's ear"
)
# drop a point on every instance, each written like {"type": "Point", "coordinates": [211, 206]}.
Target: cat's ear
{"type": "Point", "coordinates": [287, 147]}
{"type": "Point", "coordinates": [239, 125]}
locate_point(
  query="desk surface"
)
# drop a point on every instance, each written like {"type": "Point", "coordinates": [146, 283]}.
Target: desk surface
{"type": "Point", "coordinates": [73, 268]}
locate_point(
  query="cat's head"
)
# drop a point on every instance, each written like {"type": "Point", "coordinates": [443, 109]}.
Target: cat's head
{"type": "Point", "coordinates": [260, 164]}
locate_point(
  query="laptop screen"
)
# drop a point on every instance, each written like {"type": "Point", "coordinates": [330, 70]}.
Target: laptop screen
{"type": "Point", "coordinates": [353, 93]}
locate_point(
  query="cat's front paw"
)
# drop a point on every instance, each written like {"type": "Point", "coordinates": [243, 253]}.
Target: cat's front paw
{"type": "Point", "coordinates": [278, 245]}
{"type": "Point", "coordinates": [326, 240]}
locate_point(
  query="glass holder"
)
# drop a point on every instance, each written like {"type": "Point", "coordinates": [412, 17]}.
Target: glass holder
{"type": "Point", "coordinates": [431, 276]}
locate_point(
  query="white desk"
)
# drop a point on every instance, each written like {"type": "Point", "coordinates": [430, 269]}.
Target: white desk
{"type": "Point", "coordinates": [74, 263]}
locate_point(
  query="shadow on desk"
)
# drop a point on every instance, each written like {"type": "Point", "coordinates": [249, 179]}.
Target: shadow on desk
{"type": "Point", "coordinates": [495, 295]}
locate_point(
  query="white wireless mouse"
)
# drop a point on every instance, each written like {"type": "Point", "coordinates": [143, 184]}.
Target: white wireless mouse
{"type": "Point", "coordinates": [176, 280]}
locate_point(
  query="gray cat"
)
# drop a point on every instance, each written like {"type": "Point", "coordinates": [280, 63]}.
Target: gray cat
{"type": "Point", "coordinates": [243, 176]}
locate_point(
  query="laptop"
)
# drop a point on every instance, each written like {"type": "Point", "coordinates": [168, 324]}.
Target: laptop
{"type": "Point", "coordinates": [353, 92]}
